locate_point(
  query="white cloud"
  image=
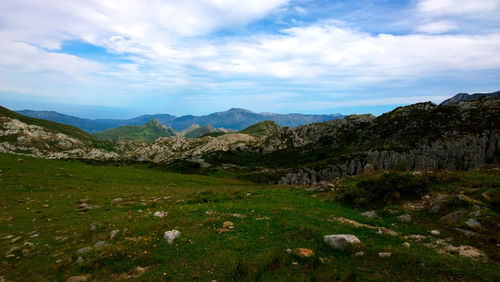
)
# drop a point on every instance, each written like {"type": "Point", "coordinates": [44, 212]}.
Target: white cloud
{"type": "Point", "coordinates": [458, 7]}
{"type": "Point", "coordinates": [437, 27]}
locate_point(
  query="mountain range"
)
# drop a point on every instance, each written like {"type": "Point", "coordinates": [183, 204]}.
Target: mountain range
{"type": "Point", "coordinates": [461, 135]}
{"type": "Point", "coordinates": [235, 118]}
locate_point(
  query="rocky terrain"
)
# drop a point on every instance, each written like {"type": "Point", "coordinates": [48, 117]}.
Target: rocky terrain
{"type": "Point", "coordinates": [463, 135]}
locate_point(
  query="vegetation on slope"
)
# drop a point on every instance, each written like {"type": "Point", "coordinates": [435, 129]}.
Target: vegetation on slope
{"type": "Point", "coordinates": [263, 128]}
{"type": "Point", "coordinates": [41, 218]}
{"type": "Point", "coordinates": [148, 132]}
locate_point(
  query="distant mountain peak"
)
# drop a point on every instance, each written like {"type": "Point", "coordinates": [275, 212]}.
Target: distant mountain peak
{"type": "Point", "coordinates": [239, 110]}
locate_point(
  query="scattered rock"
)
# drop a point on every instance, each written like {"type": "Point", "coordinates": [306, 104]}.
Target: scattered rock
{"type": "Point", "coordinates": [160, 214]}
{"type": "Point", "coordinates": [83, 207]}
{"type": "Point", "coordinates": [13, 249]}
{"type": "Point", "coordinates": [435, 232]}
{"type": "Point", "coordinates": [238, 215]}
{"type": "Point", "coordinates": [29, 244]}
{"type": "Point", "coordinates": [93, 226]}
{"type": "Point", "coordinates": [359, 254]}
{"type": "Point", "coordinates": [113, 234]}
{"type": "Point", "coordinates": [116, 200]}
{"type": "Point", "coordinates": [79, 261]}
{"type": "Point", "coordinates": [369, 214]}
{"type": "Point", "coordinates": [486, 196]}
{"type": "Point", "coordinates": [289, 251]}
{"type": "Point", "coordinates": [462, 200]}
{"type": "Point", "coordinates": [406, 244]}
{"type": "Point", "coordinates": [473, 223]}
{"type": "Point", "coordinates": [405, 218]}
{"type": "Point", "coordinates": [60, 238]}
{"type": "Point", "coordinates": [20, 161]}
{"type": "Point", "coordinates": [382, 230]}
{"type": "Point", "coordinates": [466, 232]}
{"type": "Point", "coordinates": [384, 254]}
{"type": "Point", "coordinates": [100, 245]}
{"type": "Point", "coordinates": [15, 239]}
{"type": "Point", "coordinates": [83, 250]}
{"type": "Point", "coordinates": [26, 251]}
{"type": "Point", "coordinates": [438, 202]}
{"type": "Point", "coordinates": [45, 205]}
{"type": "Point", "coordinates": [303, 253]}
{"type": "Point", "coordinates": [171, 235]}
{"type": "Point", "coordinates": [222, 230]}
{"type": "Point", "coordinates": [228, 224]}
{"type": "Point", "coordinates": [8, 237]}
{"type": "Point", "coordinates": [79, 278]}
{"type": "Point", "coordinates": [341, 241]}
{"type": "Point", "coordinates": [454, 216]}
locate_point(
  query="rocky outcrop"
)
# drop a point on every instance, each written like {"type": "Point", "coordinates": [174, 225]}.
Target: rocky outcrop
{"type": "Point", "coordinates": [467, 152]}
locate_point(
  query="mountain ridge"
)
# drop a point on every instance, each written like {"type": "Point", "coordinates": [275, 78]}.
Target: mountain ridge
{"type": "Point", "coordinates": [234, 118]}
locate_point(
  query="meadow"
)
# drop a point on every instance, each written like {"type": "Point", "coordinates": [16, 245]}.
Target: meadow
{"type": "Point", "coordinates": [50, 209]}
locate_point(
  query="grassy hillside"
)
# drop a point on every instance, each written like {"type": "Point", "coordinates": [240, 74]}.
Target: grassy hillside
{"type": "Point", "coordinates": [53, 126]}
{"type": "Point", "coordinates": [148, 132]}
{"type": "Point", "coordinates": [263, 128]}
{"type": "Point", "coordinates": [42, 228]}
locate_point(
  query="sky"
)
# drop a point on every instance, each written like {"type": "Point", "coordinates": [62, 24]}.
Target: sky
{"type": "Point", "coordinates": [119, 59]}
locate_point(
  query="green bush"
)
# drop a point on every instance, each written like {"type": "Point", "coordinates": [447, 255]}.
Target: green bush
{"type": "Point", "coordinates": [388, 188]}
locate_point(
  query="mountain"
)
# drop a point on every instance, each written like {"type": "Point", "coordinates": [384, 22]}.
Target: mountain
{"type": "Point", "coordinates": [38, 137]}
{"type": "Point", "coordinates": [263, 128]}
{"type": "Point", "coordinates": [467, 97]}
{"type": "Point", "coordinates": [236, 119]}
{"type": "Point", "coordinates": [95, 125]}
{"type": "Point", "coordinates": [148, 132]}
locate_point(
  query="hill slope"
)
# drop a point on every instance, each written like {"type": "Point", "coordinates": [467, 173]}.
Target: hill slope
{"type": "Point", "coordinates": [148, 132]}
{"type": "Point", "coordinates": [264, 128]}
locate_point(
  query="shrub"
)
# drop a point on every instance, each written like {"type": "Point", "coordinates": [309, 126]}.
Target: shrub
{"type": "Point", "coordinates": [391, 187]}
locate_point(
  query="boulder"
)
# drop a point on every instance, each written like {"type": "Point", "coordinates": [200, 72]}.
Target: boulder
{"type": "Point", "coordinates": [473, 223]}
{"type": "Point", "coordinates": [116, 200]}
{"type": "Point", "coordinates": [84, 250]}
{"type": "Point", "coordinates": [79, 278]}
{"type": "Point", "coordinates": [303, 253]}
{"type": "Point", "coordinates": [160, 214]}
{"type": "Point", "coordinates": [228, 224]}
{"type": "Point", "coordinates": [405, 218]}
{"type": "Point", "coordinates": [341, 241]}
{"type": "Point", "coordinates": [455, 216]}
{"type": "Point", "coordinates": [369, 214]}
{"type": "Point", "coordinates": [113, 234]}
{"type": "Point", "coordinates": [384, 254]}
{"type": "Point", "coordinates": [171, 235]}
{"type": "Point", "coordinates": [100, 245]}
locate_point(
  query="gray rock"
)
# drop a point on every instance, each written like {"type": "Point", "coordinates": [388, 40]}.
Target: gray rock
{"type": "Point", "coordinates": [467, 233]}
{"type": "Point", "coordinates": [455, 216]}
{"type": "Point", "coordinates": [369, 214]}
{"type": "Point", "coordinates": [435, 232]}
{"type": "Point", "coordinates": [79, 261]}
{"type": "Point", "coordinates": [93, 226]}
{"type": "Point", "coordinates": [160, 214]}
{"type": "Point", "coordinates": [171, 235]}
{"type": "Point", "coordinates": [462, 200]}
{"type": "Point", "coordinates": [13, 249]}
{"type": "Point", "coordinates": [116, 200]}
{"type": "Point", "coordinates": [341, 241]}
{"type": "Point", "coordinates": [473, 223]}
{"type": "Point", "coordinates": [384, 254]}
{"type": "Point", "coordinates": [405, 218]}
{"type": "Point", "coordinates": [359, 254]}
{"type": "Point", "coordinates": [100, 245]}
{"type": "Point", "coordinates": [83, 250]}
{"type": "Point", "coordinates": [79, 278]}
{"type": "Point", "coordinates": [113, 234]}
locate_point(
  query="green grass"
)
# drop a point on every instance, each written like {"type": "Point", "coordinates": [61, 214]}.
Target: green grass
{"type": "Point", "coordinates": [263, 128]}
{"type": "Point", "coordinates": [276, 218]}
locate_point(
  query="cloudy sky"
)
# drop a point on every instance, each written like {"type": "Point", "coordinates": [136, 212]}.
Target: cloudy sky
{"type": "Point", "coordinates": [123, 58]}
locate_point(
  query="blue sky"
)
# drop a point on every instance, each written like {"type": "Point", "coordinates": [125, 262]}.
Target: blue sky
{"type": "Point", "coordinates": [117, 59]}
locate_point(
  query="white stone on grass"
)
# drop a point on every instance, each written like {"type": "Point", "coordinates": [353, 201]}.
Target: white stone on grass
{"type": "Point", "coordinates": [341, 241]}
{"type": "Point", "coordinates": [171, 235]}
